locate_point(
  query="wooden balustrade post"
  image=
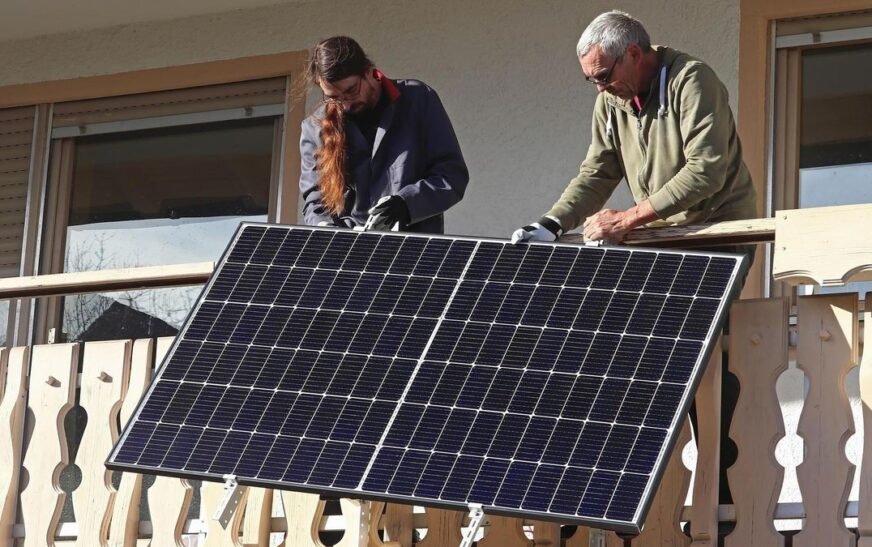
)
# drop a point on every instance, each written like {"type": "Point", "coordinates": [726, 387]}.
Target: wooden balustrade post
{"type": "Point", "coordinates": [546, 533]}
{"type": "Point", "coordinates": [758, 356]}
{"type": "Point", "coordinates": [443, 528]}
{"type": "Point", "coordinates": [504, 532]}
{"type": "Point", "coordinates": [13, 394]}
{"type": "Point", "coordinates": [51, 395]}
{"type": "Point", "coordinates": [303, 513]}
{"type": "Point", "coordinates": [826, 351]}
{"type": "Point", "coordinates": [357, 523]}
{"type": "Point", "coordinates": [399, 523]}
{"type": "Point", "coordinates": [704, 511]}
{"type": "Point", "coordinates": [124, 526]}
{"type": "Point", "coordinates": [864, 511]}
{"type": "Point", "coordinates": [104, 378]}
{"type": "Point", "coordinates": [258, 518]}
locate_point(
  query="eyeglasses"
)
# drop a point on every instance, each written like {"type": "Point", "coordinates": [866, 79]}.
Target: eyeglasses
{"type": "Point", "coordinates": [346, 96]}
{"type": "Point", "coordinates": [607, 79]}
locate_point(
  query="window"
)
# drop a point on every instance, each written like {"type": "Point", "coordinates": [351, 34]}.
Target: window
{"type": "Point", "coordinates": [822, 153]}
{"type": "Point", "coordinates": [154, 179]}
{"type": "Point", "coordinates": [159, 196]}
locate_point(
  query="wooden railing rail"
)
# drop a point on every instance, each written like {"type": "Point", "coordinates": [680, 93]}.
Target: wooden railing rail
{"type": "Point", "coordinates": [719, 233]}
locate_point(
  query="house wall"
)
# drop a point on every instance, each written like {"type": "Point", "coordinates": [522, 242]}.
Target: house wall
{"type": "Point", "coordinates": [506, 71]}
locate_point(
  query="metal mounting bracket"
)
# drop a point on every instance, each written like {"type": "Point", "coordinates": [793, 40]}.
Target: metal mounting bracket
{"type": "Point", "coordinates": [233, 493]}
{"type": "Point", "coordinates": [476, 516]}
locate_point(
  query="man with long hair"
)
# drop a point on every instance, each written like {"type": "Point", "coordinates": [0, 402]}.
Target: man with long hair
{"type": "Point", "coordinates": [377, 152]}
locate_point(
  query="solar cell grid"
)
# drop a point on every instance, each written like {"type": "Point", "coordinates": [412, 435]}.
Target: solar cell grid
{"type": "Point", "coordinates": [534, 379]}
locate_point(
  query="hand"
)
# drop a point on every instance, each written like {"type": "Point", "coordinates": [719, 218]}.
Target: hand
{"type": "Point", "coordinates": [389, 211]}
{"type": "Point", "coordinates": [547, 229]}
{"type": "Point", "coordinates": [606, 225]}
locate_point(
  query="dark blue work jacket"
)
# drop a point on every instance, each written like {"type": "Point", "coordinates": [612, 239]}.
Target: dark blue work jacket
{"type": "Point", "coordinates": [415, 155]}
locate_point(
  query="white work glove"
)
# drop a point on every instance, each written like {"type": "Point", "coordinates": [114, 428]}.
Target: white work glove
{"type": "Point", "coordinates": [546, 229]}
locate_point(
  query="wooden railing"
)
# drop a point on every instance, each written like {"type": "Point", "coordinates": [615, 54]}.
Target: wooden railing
{"type": "Point", "coordinates": [41, 385]}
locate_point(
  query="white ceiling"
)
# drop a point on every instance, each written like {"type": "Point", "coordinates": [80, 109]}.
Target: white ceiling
{"type": "Point", "coordinates": [21, 19]}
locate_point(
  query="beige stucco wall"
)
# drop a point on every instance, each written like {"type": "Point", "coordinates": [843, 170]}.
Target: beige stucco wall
{"type": "Point", "coordinates": [505, 69]}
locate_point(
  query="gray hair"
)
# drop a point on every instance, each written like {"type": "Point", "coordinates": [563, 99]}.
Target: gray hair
{"type": "Point", "coordinates": [613, 32]}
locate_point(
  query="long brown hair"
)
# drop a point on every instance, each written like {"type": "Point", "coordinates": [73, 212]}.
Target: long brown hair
{"type": "Point", "coordinates": [334, 59]}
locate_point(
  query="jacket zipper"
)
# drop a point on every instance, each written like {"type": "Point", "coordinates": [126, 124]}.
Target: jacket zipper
{"type": "Point", "coordinates": [644, 151]}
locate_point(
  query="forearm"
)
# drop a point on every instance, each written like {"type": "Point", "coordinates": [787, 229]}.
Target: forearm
{"type": "Point", "coordinates": [639, 215]}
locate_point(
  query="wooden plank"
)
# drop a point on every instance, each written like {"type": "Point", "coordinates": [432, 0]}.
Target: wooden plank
{"type": "Point", "coordinates": [399, 523]}
{"type": "Point", "coordinates": [443, 528]}
{"type": "Point", "coordinates": [303, 513]}
{"type": "Point", "coordinates": [864, 510]}
{"type": "Point", "coordinates": [104, 377]}
{"type": "Point", "coordinates": [51, 395]}
{"type": "Point", "coordinates": [124, 525]}
{"type": "Point", "coordinates": [704, 519]}
{"type": "Point", "coordinates": [827, 350]}
{"type": "Point", "coordinates": [505, 532]}
{"type": "Point", "coordinates": [258, 514]}
{"type": "Point", "coordinates": [357, 522]}
{"type": "Point", "coordinates": [546, 533]}
{"type": "Point", "coordinates": [758, 356]}
{"type": "Point", "coordinates": [581, 537]}
{"type": "Point", "coordinates": [168, 498]}
{"type": "Point", "coordinates": [814, 246]}
{"type": "Point", "coordinates": [733, 232]}
{"type": "Point", "coordinates": [107, 280]}
{"type": "Point", "coordinates": [155, 79]}
{"type": "Point", "coordinates": [13, 394]}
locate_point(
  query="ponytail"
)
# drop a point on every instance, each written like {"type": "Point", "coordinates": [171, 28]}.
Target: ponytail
{"type": "Point", "coordinates": [330, 159]}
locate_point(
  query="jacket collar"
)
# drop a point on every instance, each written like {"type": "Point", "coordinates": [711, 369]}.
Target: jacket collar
{"type": "Point", "coordinates": [387, 85]}
{"type": "Point", "coordinates": [666, 56]}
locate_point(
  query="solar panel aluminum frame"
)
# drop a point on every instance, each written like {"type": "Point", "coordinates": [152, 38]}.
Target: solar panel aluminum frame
{"type": "Point", "coordinates": [632, 527]}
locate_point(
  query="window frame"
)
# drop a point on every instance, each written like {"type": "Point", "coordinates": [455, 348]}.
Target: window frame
{"type": "Point", "coordinates": [48, 196]}
{"type": "Point", "coordinates": [757, 102]}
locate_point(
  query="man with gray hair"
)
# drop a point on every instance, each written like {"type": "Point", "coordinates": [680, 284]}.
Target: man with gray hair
{"type": "Point", "coordinates": [662, 121]}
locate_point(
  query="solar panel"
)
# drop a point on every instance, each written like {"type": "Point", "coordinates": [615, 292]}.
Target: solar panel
{"type": "Point", "coordinates": [543, 380]}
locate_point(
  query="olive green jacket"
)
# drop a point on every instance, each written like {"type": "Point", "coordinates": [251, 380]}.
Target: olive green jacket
{"type": "Point", "coordinates": [681, 153]}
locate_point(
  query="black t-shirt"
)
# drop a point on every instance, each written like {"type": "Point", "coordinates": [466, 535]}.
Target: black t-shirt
{"type": "Point", "coordinates": [367, 121]}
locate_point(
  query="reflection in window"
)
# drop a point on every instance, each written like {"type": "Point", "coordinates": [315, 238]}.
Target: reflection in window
{"type": "Point", "coordinates": [163, 196]}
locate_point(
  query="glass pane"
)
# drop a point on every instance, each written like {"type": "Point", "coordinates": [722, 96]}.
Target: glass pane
{"type": "Point", "coordinates": [4, 321]}
{"type": "Point", "coordinates": [163, 196]}
{"type": "Point", "coordinates": [836, 134]}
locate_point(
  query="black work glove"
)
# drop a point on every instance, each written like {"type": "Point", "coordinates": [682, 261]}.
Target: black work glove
{"type": "Point", "coordinates": [389, 211]}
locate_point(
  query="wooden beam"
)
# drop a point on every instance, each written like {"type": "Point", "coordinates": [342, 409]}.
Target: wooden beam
{"type": "Point", "coordinates": [106, 280]}
{"type": "Point", "coordinates": [153, 79]}
{"type": "Point", "coordinates": [732, 232]}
